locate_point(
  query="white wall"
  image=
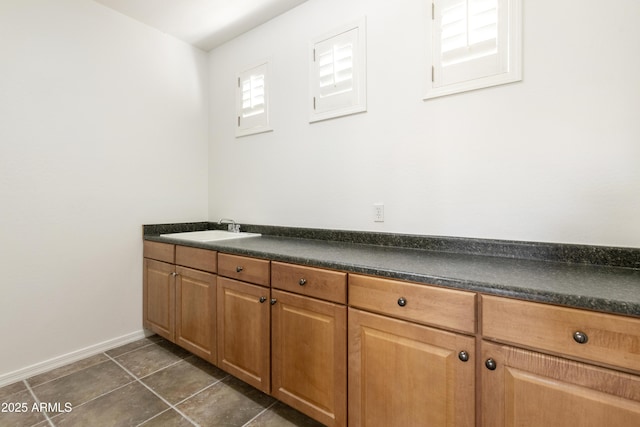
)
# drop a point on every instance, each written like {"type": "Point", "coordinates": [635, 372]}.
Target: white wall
{"type": "Point", "coordinates": [552, 158]}
{"type": "Point", "coordinates": [103, 128]}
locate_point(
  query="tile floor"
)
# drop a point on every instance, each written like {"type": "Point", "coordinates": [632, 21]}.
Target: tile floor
{"type": "Point", "coordinates": [149, 382]}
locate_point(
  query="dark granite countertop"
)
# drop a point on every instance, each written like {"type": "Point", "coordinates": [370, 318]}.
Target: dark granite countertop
{"type": "Point", "coordinates": [605, 288]}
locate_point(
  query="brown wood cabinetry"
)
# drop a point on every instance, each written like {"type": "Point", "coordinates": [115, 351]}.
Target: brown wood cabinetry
{"type": "Point", "coordinates": [403, 353]}
{"type": "Point", "coordinates": [429, 305]}
{"type": "Point", "coordinates": [244, 338]}
{"type": "Point", "coordinates": [251, 270]}
{"type": "Point", "coordinates": [158, 305]}
{"type": "Point", "coordinates": [404, 373]}
{"type": "Point", "coordinates": [309, 343]}
{"type": "Point", "coordinates": [179, 302]}
{"type": "Point", "coordinates": [195, 312]}
{"type": "Point", "coordinates": [529, 388]}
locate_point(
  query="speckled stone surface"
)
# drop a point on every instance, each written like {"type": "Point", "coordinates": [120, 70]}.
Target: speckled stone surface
{"type": "Point", "coordinates": [579, 282]}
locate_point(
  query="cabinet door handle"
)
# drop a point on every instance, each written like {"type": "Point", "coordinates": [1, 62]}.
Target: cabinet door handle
{"type": "Point", "coordinates": [302, 282]}
{"type": "Point", "coordinates": [402, 301]}
{"type": "Point", "coordinates": [580, 337]}
{"type": "Point", "coordinates": [490, 364]}
{"type": "Point", "coordinates": [239, 269]}
{"type": "Point", "coordinates": [273, 301]}
{"type": "Point", "coordinates": [464, 356]}
{"type": "Point", "coordinates": [174, 274]}
{"type": "Point", "coordinates": [263, 299]}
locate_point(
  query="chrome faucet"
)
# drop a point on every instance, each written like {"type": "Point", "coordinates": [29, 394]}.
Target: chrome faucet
{"type": "Point", "coordinates": [232, 226]}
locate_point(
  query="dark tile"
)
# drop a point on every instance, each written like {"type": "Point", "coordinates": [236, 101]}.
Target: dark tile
{"type": "Point", "coordinates": [281, 415]}
{"type": "Point", "coordinates": [134, 345]}
{"type": "Point", "coordinates": [168, 418]}
{"type": "Point", "coordinates": [83, 385]}
{"type": "Point", "coordinates": [185, 378]}
{"type": "Point", "coordinates": [67, 369]}
{"type": "Point", "coordinates": [126, 406]}
{"type": "Point", "coordinates": [10, 389]}
{"type": "Point", "coordinates": [151, 358]}
{"type": "Point", "coordinates": [228, 403]}
{"type": "Point", "coordinates": [19, 410]}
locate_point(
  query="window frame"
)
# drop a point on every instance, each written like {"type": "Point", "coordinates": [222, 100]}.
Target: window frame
{"type": "Point", "coordinates": [259, 122]}
{"type": "Point", "coordinates": [510, 68]}
{"type": "Point", "coordinates": [357, 103]}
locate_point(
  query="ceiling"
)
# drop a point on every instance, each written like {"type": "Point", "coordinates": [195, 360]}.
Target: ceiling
{"type": "Point", "coordinates": [205, 24]}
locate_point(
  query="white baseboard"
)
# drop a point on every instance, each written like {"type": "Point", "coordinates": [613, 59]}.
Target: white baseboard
{"type": "Point", "coordinates": [65, 359]}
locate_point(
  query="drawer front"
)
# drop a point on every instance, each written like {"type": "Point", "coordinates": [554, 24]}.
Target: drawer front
{"type": "Point", "coordinates": [604, 338]}
{"type": "Point", "coordinates": [252, 270]}
{"type": "Point", "coordinates": [447, 308]}
{"type": "Point", "coordinates": [315, 282]}
{"type": "Point", "coordinates": [159, 251]}
{"type": "Point", "coordinates": [200, 259]}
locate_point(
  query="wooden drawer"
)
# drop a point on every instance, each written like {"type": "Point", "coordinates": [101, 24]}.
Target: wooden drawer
{"type": "Point", "coordinates": [252, 270]}
{"type": "Point", "coordinates": [610, 339]}
{"type": "Point", "coordinates": [315, 282]}
{"type": "Point", "coordinates": [447, 308]}
{"type": "Point", "coordinates": [200, 259]}
{"type": "Point", "coordinates": [159, 251]}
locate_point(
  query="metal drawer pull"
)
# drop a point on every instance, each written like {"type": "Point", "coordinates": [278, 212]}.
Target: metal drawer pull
{"type": "Point", "coordinates": [263, 299]}
{"type": "Point", "coordinates": [302, 282]}
{"type": "Point", "coordinates": [402, 302]}
{"type": "Point", "coordinates": [464, 356]}
{"type": "Point", "coordinates": [273, 301]}
{"type": "Point", "coordinates": [239, 269]}
{"type": "Point", "coordinates": [580, 337]}
{"type": "Point", "coordinates": [490, 364]}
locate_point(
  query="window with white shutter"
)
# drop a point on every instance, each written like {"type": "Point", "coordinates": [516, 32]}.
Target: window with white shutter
{"type": "Point", "coordinates": [338, 73]}
{"type": "Point", "coordinates": [252, 101]}
{"type": "Point", "coordinates": [473, 44]}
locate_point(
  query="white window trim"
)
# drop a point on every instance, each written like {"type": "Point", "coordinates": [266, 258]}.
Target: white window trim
{"type": "Point", "coordinates": [263, 122]}
{"type": "Point", "coordinates": [359, 74]}
{"type": "Point", "coordinates": [513, 64]}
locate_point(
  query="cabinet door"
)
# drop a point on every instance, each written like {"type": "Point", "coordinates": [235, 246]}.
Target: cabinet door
{"type": "Point", "coordinates": [159, 297]}
{"type": "Point", "coordinates": [309, 356]}
{"type": "Point", "coordinates": [196, 312]}
{"type": "Point", "coordinates": [404, 374]}
{"type": "Point", "coordinates": [244, 334]}
{"type": "Point", "coordinates": [529, 389]}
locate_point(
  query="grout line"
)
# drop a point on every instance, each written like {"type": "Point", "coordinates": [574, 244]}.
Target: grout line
{"type": "Point", "coordinates": [35, 398]}
{"type": "Point", "coordinates": [201, 390]}
{"type": "Point", "coordinates": [66, 375]}
{"type": "Point", "coordinates": [130, 351]}
{"type": "Point", "coordinates": [156, 394]}
{"type": "Point", "coordinates": [259, 414]}
{"type": "Point", "coordinates": [150, 373]}
{"type": "Point", "coordinates": [86, 367]}
{"type": "Point", "coordinates": [155, 416]}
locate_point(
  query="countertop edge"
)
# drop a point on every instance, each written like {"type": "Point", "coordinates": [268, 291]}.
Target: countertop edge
{"type": "Point", "coordinates": [611, 306]}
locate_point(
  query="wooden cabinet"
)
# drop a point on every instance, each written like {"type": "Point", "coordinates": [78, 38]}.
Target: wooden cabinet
{"type": "Point", "coordinates": [403, 353]}
{"type": "Point", "coordinates": [581, 334]}
{"type": "Point", "coordinates": [159, 298]}
{"type": "Point", "coordinates": [247, 269]}
{"type": "Point", "coordinates": [402, 372]}
{"type": "Point", "coordinates": [571, 372]}
{"type": "Point", "coordinates": [309, 342]}
{"type": "Point", "coordinates": [179, 302]}
{"type": "Point", "coordinates": [195, 307]}
{"type": "Point", "coordinates": [429, 305]}
{"type": "Point", "coordinates": [531, 389]}
{"type": "Point", "coordinates": [244, 338]}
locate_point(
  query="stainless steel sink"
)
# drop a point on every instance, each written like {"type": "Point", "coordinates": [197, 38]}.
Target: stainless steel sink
{"type": "Point", "coordinates": [209, 235]}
